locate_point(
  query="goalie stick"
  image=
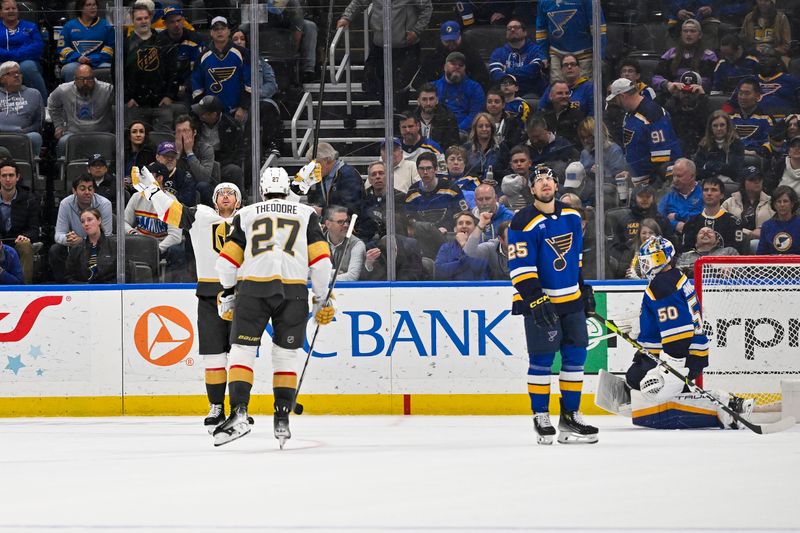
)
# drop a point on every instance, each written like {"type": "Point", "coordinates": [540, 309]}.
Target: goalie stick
{"type": "Point", "coordinates": [761, 429]}
{"type": "Point", "coordinates": [298, 407]}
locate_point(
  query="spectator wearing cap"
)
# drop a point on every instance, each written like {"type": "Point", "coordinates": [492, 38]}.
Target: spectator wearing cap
{"type": "Point", "coordinates": [561, 115]}
{"type": "Point", "coordinates": [289, 15]}
{"type": "Point", "coordinates": [689, 54]}
{"type": "Point", "coordinates": [105, 184]}
{"type": "Point", "coordinates": [704, 11]}
{"type": "Point", "coordinates": [141, 218]}
{"type": "Point", "coordinates": [751, 205]}
{"type": "Point", "coordinates": [734, 65]}
{"type": "Point", "coordinates": [482, 12]}
{"type": "Point", "coordinates": [566, 28]}
{"type": "Point", "coordinates": [509, 128]}
{"type": "Point", "coordinates": [404, 169]}
{"type": "Point", "coordinates": [689, 110]}
{"type": "Point", "coordinates": [145, 73]}
{"type": "Point", "coordinates": [437, 122]}
{"type": "Point", "coordinates": [578, 182]}
{"type": "Point", "coordinates": [23, 43]}
{"type": "Point", "coordinates": [450, 40]}
{"type": "Point", "coordinates": [462, 95]}
{"type": "Point", "coordinates": [222, 55]}
{"type": "Point", "coordinates": [643, 206]}
{"type": "Point", "coordinates": [182, 181]}
{"type": "Point", "coordinates": [752, 123]}
{"type": "Point", "coordinates": [432, 199]}
{"type": "Point", "coordinates": [341, 183]}
{"type": "Point", "coordinates": [789, 173]}
{"type": "Point", "coordinates": [10, 266]}
{"type": "Point", "coordinates": [720, 153]}
{"type": "Point", "coordinates": [452, 263]}
{"type": "Point", "coordinates": [224, 135]}
{"type": "Point", "coordinates": [69, 231]}
{"type": "Point", "coordinates": [581, 90]}
{"type": "Point", "coordinates": [650, 141]}
{"type": "Point", "coordinates": [81, 106]}
{"type": "Point", "coordinates": [85, 39]}
{"type": "Point", "coordinates": [522, 58]}
{"type": "Point", "coordinates": [19, 215]}
{"type": "Point", "coordinates": [21, 107]}
{"type": "Point", "coordinates": [513, 103]}
{"type": "Point", "coordinates": [410, 19]}
{"type": "Point", "coordinates": [180, 50]}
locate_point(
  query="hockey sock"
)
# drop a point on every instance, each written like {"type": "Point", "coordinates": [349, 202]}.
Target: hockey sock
{"type": "Point", "coordinates": [241, 381]}
{"type": "Point", "coordinates": [216, 379]}
{"type": "Point", "coordinates": [284, 386]}
{"type": "Point", "coordinates": [539, 381]}
{"type": "Point", "coordinates": [570, 381]}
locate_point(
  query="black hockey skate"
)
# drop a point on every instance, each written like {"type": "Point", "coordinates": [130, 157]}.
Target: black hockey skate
{"type": "Point", "coordinates": [544, 429]}
{"type": "Point", "coordinates": [282, 433]}
{"type": "Point", "coordinates": [235, 427]}
{"type": "Point", "coordinates": [215, 418]}
{"type": "Point", "coordinates": [573, 430]}
{"type": "Point", "coordinates": [742, 407]}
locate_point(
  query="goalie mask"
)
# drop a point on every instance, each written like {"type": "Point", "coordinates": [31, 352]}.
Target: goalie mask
{"type": "Point", "coordinates": [274, 180]}
{"type": "Point", "coordinates": [655, 255]}
{"type": "Point", "coordinates": [228, 186]}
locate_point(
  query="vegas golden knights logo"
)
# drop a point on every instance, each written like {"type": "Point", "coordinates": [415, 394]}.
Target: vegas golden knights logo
{"type": "Point", "coordinates": [560, 245]}
{"type": "Point", "coordinates": [218, 233]}
{"type": "Point", "coordinates": [147, 59]}
{"type": "Point", "coordinates": [220, 75]}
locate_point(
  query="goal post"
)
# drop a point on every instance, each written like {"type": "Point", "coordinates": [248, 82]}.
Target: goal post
{"type": "Point", "coordinates": [751, 312]}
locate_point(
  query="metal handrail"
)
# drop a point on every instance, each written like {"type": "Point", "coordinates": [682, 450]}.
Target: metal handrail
{"type": "Point", "coordinates": [367, 13]}
{"type": "Point", "coordinates": [344, 67]}
{"type": "Point", "coordinates": [306, 101]}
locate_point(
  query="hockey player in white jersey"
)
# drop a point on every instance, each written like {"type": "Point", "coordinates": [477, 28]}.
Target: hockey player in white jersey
{"type": "Point", "coordinates": [272, 248]}
{"type": "Point", "coordinates": [670, 327]}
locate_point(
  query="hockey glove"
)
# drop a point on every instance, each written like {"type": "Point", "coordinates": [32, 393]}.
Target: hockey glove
{"type": "Point", "coordinates": [226, 300]}
{"type": "Point", "coordinates": [323, 311]}
{"type": "Point", "coordinates": [588, 299]}
{"type": "Point", "coordinates": [659, 384]}
{"type": "Point", "coordinates": [144, 182]}
{"type": "Point", "coordinates": [310, 174]}
{"type": "Point", "coordinates": [544, 314]}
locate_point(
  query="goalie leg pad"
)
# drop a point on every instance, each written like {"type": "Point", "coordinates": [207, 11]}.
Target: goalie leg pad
{"type": "Point", "coordinates": [613, 394]}
{"type": "Point", "coordinates": [683, 411]}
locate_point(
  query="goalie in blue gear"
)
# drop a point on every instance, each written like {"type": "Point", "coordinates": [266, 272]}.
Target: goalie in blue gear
{"type": "Point", "coordinates": [671, 327]}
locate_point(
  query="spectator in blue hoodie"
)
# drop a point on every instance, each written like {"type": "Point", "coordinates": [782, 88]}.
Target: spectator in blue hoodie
{"type": "Point", "coordinates": [460, 94]}
{"type": "Point", "coordinates": [520, 57]}
{"type": "Point", "coordinates": [452, 263]}
{"type": "Point", "coordinates": [21, 41]}
{"type": "Point", "coordinates": [10, 266]}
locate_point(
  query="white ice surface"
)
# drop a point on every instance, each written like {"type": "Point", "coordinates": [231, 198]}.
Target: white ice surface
{"type": "Point", "coordinates": [368, 473]}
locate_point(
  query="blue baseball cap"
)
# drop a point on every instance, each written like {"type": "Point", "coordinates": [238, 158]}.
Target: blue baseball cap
{"type": "Point", "coordinates": [172, 10]}
{"type": "Point", "coordinates": [450, 31]}
{"type": "Point", "coordinates": [395, 140]}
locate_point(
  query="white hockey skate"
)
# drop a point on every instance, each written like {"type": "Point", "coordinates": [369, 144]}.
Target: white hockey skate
{"type": "Point", "coordinates": [235, 427]}
{"type": "Point", "coordinates": [741, 406]}
{"type": "Point", "coordinates": [544, 429]}
{"type": "Point", "coordinates": [215, 418]}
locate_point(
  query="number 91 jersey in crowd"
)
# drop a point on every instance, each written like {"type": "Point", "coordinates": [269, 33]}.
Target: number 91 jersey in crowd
{"type": "Point", "coordinates": [273, 244]}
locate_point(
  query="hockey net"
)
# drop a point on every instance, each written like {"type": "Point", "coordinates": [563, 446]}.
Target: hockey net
{"type": "Point", "coordinates": [751, 313]}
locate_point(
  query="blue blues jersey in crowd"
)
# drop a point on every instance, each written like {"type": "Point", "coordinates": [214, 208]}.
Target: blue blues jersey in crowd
{"type": "Point", "coordinates": [95, 41]}
{"type": "Point", "coordinates": [565, 27]}
{"type": "Point", "coordinates": [438, 206]}
{"type": "Point", "coordinates": [466, 183]}
{"type": "Point", "coordinates": [779, 94]}
{"type": "Point", "coordinates": [650, 141]}
{"type": "Point", "coordinates": [545, 255]}
{"type": "Point", "coordinates": [779, 237]}
{"type": "Point", "coordinates": [525, 63]}
{"type": "Point", "coordinates": [581, 96]}
{"type": "Point", "coordinates": [728, 74]}
{"type": "Point", "coordinates": [225, 75]}
{"type": "Point", "coordinates": [519, 108]}
{"type": "Point", "coordinates": [670, 319]}
{"type": "Point", "coordinates": [753, 129]}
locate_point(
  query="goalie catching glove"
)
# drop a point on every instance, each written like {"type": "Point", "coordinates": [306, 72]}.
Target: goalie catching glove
{"type": "Point", "coordinates": [323, 311]}
{"type": "Point", "coordinates": [544, 313]}
{"type": "Point", "coordinates": [309, 175]}
{"type": "Point", "coordinates": [226, 300]}
{"type": "Point", "coordinates": [660, 385]}
{"type": "Point", "coordinates": [144, 182]}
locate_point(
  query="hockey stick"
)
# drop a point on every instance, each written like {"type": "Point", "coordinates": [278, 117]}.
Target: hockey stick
{"type": "Point", "coordinates": [761, 429]}
{"type": "Point", "coordinates": [318, 125]}
{"type": "Point", "coordinates": [298, 407]}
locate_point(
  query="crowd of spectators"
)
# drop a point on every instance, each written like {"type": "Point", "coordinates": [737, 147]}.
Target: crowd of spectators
{"type": "Point", "coordinates": [701, 144]}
